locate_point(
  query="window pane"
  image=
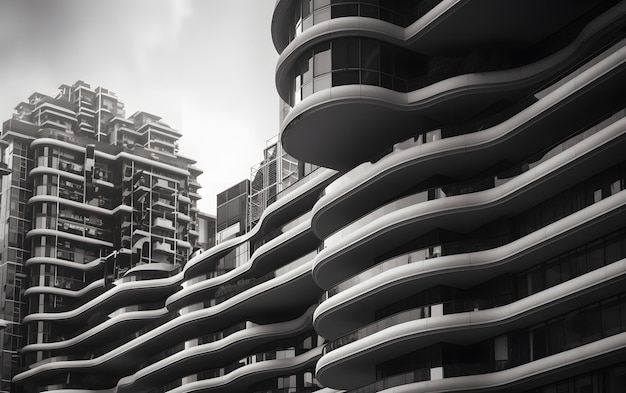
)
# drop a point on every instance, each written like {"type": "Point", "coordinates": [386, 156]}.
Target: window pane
{"type": "Point", "coordinates": [610, 317]}
{"type": "Point", "coordinates": [307, 90]}
{"type": "Point", "coordinates": [320, 3]}
{"type": "Point", "coordinates": [370, 78]}
{"type": "Point", "coordinates": [321, 15]}
{"type": "Point", "coordinates": [322, 63]}
{"type": "Point", "coordinates": [370, 55]}
{"type": "Point", "coordinates": [553, 273]}
{"type": "Point", "coordinates": [345, 10]}
{"type": "Point", "coordinates": [306, 8]}
{"type": "Point", "coordinates": [595, 257]}
{"type": "Point", "coordinates": [348, 77]}
{"type": "Point", "coordinates": [322, 83]}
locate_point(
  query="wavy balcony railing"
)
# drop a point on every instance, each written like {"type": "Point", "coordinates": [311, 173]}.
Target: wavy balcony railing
{"type": "Point", "coordinates": [409, 154]}
{"type": "Point", "coordinates": [325, 12]}
{"type": "Point", "coordinates": [536, 309]}
{"type": "Point", "coordinates": [229, 290]}
{"type": "Point", "coordinates": [475, 185]}
{"type": "Point", "coordinates": [394, 381]}
{"type": "Point", "coordinates": [445, 308]}
{"type": "Point", "coordinates": [552, 158]}
{"type": "Point", "coordinates": [237, 379]}
{"type": "Point", "coordinates": [314, 179]}
{"type": "Point", "coordinates": [603, 219]}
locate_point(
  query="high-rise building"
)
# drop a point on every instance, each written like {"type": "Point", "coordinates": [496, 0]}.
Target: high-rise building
{"type": "Point", "coordinates": [94, 199]}
{"type": "Point", "coordinates": [475, 238]}
{"type": "Point", "coordinates": [465, 232]}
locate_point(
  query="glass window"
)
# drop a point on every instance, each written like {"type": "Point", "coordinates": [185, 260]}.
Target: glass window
{"type": "Point", "coordinates": [347, 77]}
{"type": "Point", "coordinates": [370, 78]}
{"type": "Point", "coordinates": [370, 11]}
{"type": "Point", "coordinates": [370, 55]}
{"type": "Point", "coordinates": [307, 90]}
{"type": "Point", "coordinates": [307, 71]}
{"type": "Point", "coordinates": [591, 323]}
{"type": "Point", "coordinates": [553, 273]}
{"type": "Point", "coordinates": [320, 3]}
{"type": "Point", "coordinates": [535, 280]}
{"type": "Point", "coordinates": [610, 317]}
{"type": "Point", "coordinates": [613, 249]}
{"type": "Point", "coordinates": [538, 340]}
{"type": "Point", "coordinates": [322, 62]}
{"type": "Point", "coordinates": [595, 255]}
{"type": "Point", "coordinates": [345, 53]}
{"type": "Point", "coordinates": [616, 187]}
{"type": "Point", "coordinates": [306, 8]}
{"type": "Point", "coordinates": [568, 267]}
{"type": "Point", "coordinates": [321, 15]}
{"type": "Point", "coordinates": [322, 82]}
{"type": "Point", "coordinates": [340, 10]}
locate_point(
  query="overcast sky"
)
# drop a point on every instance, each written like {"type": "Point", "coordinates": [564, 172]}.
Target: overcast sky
{"type": "Point", "coordinates": [205, 66]}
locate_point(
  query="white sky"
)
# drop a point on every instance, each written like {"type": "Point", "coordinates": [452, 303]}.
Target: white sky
{"type": "Point", "coordinates": [205, 66]}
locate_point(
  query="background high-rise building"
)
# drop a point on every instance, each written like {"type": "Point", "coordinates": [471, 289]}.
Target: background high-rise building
{"type": "Point", "coordinates": [92, 196]}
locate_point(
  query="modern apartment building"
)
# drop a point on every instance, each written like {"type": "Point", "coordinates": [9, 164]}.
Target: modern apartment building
{"type": "Point", "coordinates": [475, 237]}
{"type": "Point", "coordinates": [94, 198]}
{"type": "Point", "coordinates": [466, 231]}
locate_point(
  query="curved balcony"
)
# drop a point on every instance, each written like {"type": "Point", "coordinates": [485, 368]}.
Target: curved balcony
{"type": "Point", "coordinates": [458, 306]}
{"type": "Point", "coordinates": [213, 354]}
{"type": "Point", "coordinates": [610, 128]}
{"type": "Point", "coordinates": [403, 220]}
{"type": "Point", "coordinates": [125, 294]}
{"type": "Point", "coordinates": [291, 19]}
{"type": "Point", "coordinates": [254, 302]}
{"type": "Point", "coordinates": [38, 260]}
{"type": "Point", "coordinates": [345, 366]}
{"type": "Point", "coordinates": [434, 22]}
{"type": "Point", "coordinates": [100, 335]}
{"type": "Point", "coordinates": [521, 378]}
{"type": "Point", "coordinates": [41, 170]}
{"type": "Point", "coordinates": [353, 301]}
{"type": "Point", "coordinates": [337, 110]}
{"type": "Point", "coordinates": [368, 186]}
{"type": "Point", "coordinates": [298, 199]}
{"type": "Point", "coordinates": [65, 287]}
{"type": "Point", "coordinates": [245, 375]}
{"type": "Point", "coordinates": [265, 257]}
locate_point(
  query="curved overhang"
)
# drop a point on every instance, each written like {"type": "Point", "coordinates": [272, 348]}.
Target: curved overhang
{"type": "Point", "coordinates": [62, 262]}
{"type": "Point", "coordinates": [356, 250]}
{"type": "Point", "coordinates": [296, 290]}
{"type": "Point", "coordinates": [47, 170]}
{"type": "Point", "coordinates": [349, 366]}
{"type": "Point", "coordinates": [276, 213]}
{"type": "Point", "coordinates": [578, 101]}
{"type": "Point", "coordinates": [353, 307]}
{"type": "Point", "coordinates": [65, 292]}
{"type": "Point", "coordinates": [553, 368]}
{"type": "Point", "coordinates": [67, 235]}
{"type": "Point", "coordinates": [280, 23]}
{"type": "Point", "coordinates": [205, 356]}
{"type": "Point", "coordinates": [246, 376]}
{"type": "Point", "coordinates": [101, 334]}
{"type": "Point", "coordinates": [77, 205]}
{"type": "Point", "coordinates": [455, 25]}
{"type": "Point", "coordinates": [118, 296]}
{"type": "Point", "coordinates": [265, 257]}
{"type": "Point", "coordinates": [151, 267]}
{"type": "Point", "coordinates": [340, 127]}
